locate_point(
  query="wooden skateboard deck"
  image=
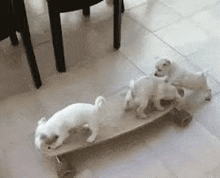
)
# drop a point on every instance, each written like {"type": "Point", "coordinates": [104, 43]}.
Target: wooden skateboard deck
{"type": "Point", "coordinates": [116, 123]}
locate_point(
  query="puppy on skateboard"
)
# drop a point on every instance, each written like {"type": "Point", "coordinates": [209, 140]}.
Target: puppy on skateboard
{"type": "Point", "coordinates": [56, 129]}
{"type": "Point", "coordinates": [182, 78]}
{"type": "Point", "coordinates": [150, 88]}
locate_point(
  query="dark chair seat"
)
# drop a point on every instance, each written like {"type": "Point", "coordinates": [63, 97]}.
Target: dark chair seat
{"type": "Point", "coordinates": [71, 5]}
{"type": "Point", "coordinates": [13, 18]}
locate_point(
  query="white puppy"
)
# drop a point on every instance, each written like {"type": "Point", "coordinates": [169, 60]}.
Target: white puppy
{"type": "Point", "coordinates": [56, 129]}
{"type": "Point", "coordinates": [182, 78]}
{"type": "Point", "coordinates": [149, 88]}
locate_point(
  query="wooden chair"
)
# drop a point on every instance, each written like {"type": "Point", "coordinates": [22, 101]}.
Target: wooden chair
{"type": "Point", "coordinates": [56, 7]}
{"type": "Point", "coordinates": [13, 18]}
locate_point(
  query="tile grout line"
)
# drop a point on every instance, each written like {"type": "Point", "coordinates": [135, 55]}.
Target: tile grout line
{"type": "Point", "coordinates": [133, 7]}
{"type": "Point", "coordinates": [126, 58]}
{"type": "Point", "coordinates": [178, 20]}
{"type": "Point", "coordinates": [169, 45]}
{"type": "Point", "coordinates": [141, 25]}
{"type": "Point", "coordinates": [194, 13]}
{"type": "Point", "coordinates": [165, 166]}
{"type": "Point", "coordinates": [210, 132]}
{"type": "Point", "coordinates": [123, 87]}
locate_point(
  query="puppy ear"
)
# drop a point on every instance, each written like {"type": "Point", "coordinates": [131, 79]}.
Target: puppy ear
{"type": "Point", "coordinates": [131, 85]}
{"type": "Point", "coordinates": [42, 120]}
{"type": "Point", "coordinates": [167, 62]}
{"type": "Point", "coordinates": [130, 95]}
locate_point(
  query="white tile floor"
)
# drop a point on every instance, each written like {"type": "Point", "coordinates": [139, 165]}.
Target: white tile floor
{"type": "Point", "coordinates": [187, 31]}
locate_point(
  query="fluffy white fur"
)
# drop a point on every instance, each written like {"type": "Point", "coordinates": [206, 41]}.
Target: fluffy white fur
{"type": "Point", "coordinates": [149, 88]}
{"type": "Point", "coordinates": [56, 129]}
{"type": "Point", "coordinates": [182, 78]}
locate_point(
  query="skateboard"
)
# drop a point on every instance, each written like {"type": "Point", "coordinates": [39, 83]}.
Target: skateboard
{"type": "Point", "coordinates": [117, 122]}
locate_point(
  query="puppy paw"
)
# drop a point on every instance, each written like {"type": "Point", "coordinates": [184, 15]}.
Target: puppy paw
{"type": "Point", "coordinates": [141, 115]}
{"type": "Point", "coordinates": [208, 95]}
{"type": "Point", "coordinates": [53, 147]}
{"type": "Point", "coordinates": [86, 126]}
{"type": "Point", "coordinates": [160, 108]}
{"type": "Point", "coordinates": [90, 139]}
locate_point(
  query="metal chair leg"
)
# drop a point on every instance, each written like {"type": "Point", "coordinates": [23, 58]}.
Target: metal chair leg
{"type": "Point", "coordinates": [56, 31]}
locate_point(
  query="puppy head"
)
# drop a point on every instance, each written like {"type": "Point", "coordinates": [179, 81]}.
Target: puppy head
{"type": "Point", "coordinates": [43, 134]}
{"type": "Point", "coordinates": [162, 67]}
{"type": "Point", "coordinates": [130, 97]}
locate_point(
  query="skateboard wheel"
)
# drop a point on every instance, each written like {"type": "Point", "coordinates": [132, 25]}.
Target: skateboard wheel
{"type": "Point", "coordinates": [65, 169]}
{"type": "Point", "coordinates": [182, 118]}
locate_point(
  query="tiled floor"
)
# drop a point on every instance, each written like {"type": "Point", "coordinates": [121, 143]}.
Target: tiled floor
{"type": "Point", "coordinates": [186, 31]}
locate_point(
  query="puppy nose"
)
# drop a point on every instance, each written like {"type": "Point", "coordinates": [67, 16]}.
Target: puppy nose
{"type": "Point", "coordinates": [155, 74]}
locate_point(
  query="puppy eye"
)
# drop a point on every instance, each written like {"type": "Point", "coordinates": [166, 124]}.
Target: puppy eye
{"type": "Point", "coordinates": [164, 64]}
{"type": "Point", "coordinates": [56, 136]}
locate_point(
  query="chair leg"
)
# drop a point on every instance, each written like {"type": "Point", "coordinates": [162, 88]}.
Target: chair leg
{"type": "Point", "coordinates": [12, 33]}
{"type": "Point", "coordinates": [86, 11]}
{"type": "Point", "coordinates": [31, 59]}
{"type": "Point", "coordinates": [56, 31]}
{"type": "Point", "coordinates": [122, 6]}
{"type": "Point", "coordinates": [26, 38]}
{"type": "Point", "coordinates": [117, 23]}
{"type": "Point", "coordinates": [13, 37]}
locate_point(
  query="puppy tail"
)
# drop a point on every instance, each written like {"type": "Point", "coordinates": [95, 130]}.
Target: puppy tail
{"type": "Point", "coordinates": [99, 101]}
{"type": "Point", "coordinates": [131, 85]}
{"type": "Point", "coordinates": [205, 72]}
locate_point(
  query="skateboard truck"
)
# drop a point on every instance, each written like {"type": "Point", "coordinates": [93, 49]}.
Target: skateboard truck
{"type": "Point", "coordinates": [181, 117]}
{"type": "Point", "coordinates": [64, 168]}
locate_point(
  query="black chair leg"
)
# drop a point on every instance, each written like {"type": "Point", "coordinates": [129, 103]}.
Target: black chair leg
{"type": "Point", "coordinates": [117, 23]}
{"type": "Point", "coordinates": [26, 38]}
{"type": "Point", "coordinates": [122, 6]}
{"type": "Point", "coordinates": [13, 37]}
{"type": "Point", "coordinates": [31, 59]}
{"type": "Point", "coordinates": [56, 31]}
{"type": "Point", "coordinates": [12, 33]}
{"type": "Point", "coordinates": [86, 11]}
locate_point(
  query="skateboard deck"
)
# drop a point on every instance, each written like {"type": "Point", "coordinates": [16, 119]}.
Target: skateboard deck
{"type": "Point", "coordinates": [116, 122]}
